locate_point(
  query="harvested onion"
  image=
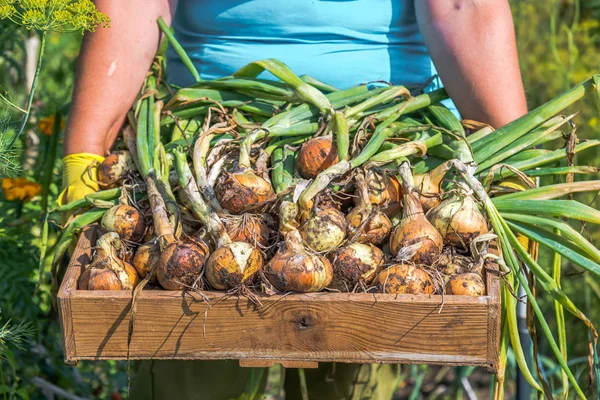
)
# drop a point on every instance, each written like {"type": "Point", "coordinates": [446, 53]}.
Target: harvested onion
{"type": "Point", "coordinates": [232, 265]}
{"type": "Point", "coordinates": [180, 264]}
{"type": "Point", "coordinates": [242, 191]}
{"type": "Point", "coordinates": [295, 269]}
{"type": "Point", "coordinates": [468, 284]}
{"type": "Point", "coordinates": [429, 185]}
{"type": "Point", "coordinates": [366, 225]}
{"type": "Point", "coordinates": [107, 271]}
{"type": "Point", "coordinates": [125, 221]}
{"type": "Point", "coordinates": [458, 220]}
{"type": "Point", "coordinates": [384, 191]}
{"type": "Point", "coordinates": [325, 230]}
{"type": "Point", "coordinates": [420, 242]}
{"type": "Point", "coordinates": [146, 257]}
{"type": "Point", "coordinates": [115, 168]}
{"type": "Point", "coordinates": [404, 279]}
{"type": "Point", "coordinates": [316, 155]}
{"type": "Point", "coordinates": [354, 264]}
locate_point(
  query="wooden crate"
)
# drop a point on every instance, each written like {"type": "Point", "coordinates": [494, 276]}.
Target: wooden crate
{"type": "Point", "coordinates": [296, 330]}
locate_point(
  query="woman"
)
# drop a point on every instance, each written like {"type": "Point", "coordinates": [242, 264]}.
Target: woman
{"type": "Point", "coordinates": [340, 42]}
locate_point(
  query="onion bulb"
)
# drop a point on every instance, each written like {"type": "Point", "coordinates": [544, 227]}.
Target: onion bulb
{"type": "Point", "coordinates": [232, 265]}
{"type": "Point", "coordinates": [384, 191]}
{"type": "Point", "coordinates": [429, 185]}
{"type": "Point", "coordinates": [316, 155]}
{"type": "Point", "coordinates": [468, 284]}
{"type": "Point", "coordinates": [293, 268]}
{"type": "Point", "coordinates": [239, 192]}
{"type": "Point", "coordinates": [325, 230]}
{"type": "Point", "coordinates": [414, 238]}
{"type": "Point", "coordinates": [115, 168]}
{"type": "Point", "coordinates": [107, 271]}
{"type": "Point", "coordinates": [354, 264]}
{"type": "Point", "coordinates": [366, 225]}
{"type": "Point", "coordinates": [146, 257]}
{"type": "Point", "coordinates": [180, 264]}
{"type": "Point", "coordinates": [458, 219]}
{"type": "Point", "coordinates": [404, 279]}
{"type": "Point", "coordinates": [249, 228]}
{"type": "Point", "coordinates": [126, 221]}
{"type": "Point", "coordinates": [416, 234]}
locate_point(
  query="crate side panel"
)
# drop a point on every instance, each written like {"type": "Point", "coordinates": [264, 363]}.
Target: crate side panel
{"type": "Point", "coordinates": [303, 328]}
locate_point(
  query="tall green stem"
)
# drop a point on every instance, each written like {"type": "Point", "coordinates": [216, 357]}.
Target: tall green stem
{"type": "Point", "coordinates": [31, 91]}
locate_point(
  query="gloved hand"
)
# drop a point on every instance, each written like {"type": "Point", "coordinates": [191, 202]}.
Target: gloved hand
{"type": "Point", "coordinates": [80, 176]}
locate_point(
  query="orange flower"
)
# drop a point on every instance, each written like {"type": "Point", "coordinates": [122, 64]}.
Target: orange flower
{"type": "Point", "coordinates": [20, 189]}
{"type": "Point", "coordinates": [47, 124]}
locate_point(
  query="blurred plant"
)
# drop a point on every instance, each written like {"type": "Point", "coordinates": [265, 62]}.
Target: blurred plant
{"type": "Point", "coordinates": [47, 16]}
{"type": "Point", "coordinates": [20, 189]}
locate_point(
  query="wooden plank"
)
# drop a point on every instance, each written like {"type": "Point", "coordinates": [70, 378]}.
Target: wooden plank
{"type": "Point", "coordinates": [80, 258]}
{"type": "Point", "coordinates": [494, 312]}
{"type": "Point", "coordinates": [317, 327]}
{"type": "Point", "coordinates": [262, 363]}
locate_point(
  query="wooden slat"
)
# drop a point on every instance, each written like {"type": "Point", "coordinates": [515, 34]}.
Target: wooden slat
{"type": "Point", "coordinates": [80, 258]}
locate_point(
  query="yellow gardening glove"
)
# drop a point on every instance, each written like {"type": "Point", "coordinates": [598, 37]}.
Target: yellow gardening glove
{"type": "Point", "coordinates": [80, 176]}
{"type": "Point", "coordinates": [517, 184]}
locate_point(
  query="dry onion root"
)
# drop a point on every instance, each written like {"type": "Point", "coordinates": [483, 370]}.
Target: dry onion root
{"type": "Point", "coordinates": [126, 221]}
{"type": "Point", "coordinates": [356, 264]}
{"type": "Point", "coordinates": [107, 271]}
{"type": "Point", "coordinates": [316, 155]}
{"type": "Point", "coordinates": [404, 279]}
{"type": "Point", "coordinates": [468, 284]}
{"type": "Point", "coordinates": [418, 239]}
{"type": "Point", "coordinates": [115, 168]}
{"type": "Point", "coordinates": [458, 220]}
{"type": "Point", "coordinates": [249, 228]}
{"type": "Point", "coordinates": [296, 269]}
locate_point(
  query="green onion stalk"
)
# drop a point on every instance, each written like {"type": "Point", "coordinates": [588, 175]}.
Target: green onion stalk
{"type": "Point", "coordinates": [513, 252]}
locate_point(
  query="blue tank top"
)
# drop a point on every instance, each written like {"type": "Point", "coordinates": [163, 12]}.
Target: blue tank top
{"type": "Point", "coordinates": [341, 42]}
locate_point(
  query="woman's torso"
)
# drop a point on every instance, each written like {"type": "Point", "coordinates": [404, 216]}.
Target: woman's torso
{"type": "Point", "coordinates": [340, 42]}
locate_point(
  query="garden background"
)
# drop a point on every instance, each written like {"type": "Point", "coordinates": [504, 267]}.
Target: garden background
{"type": "Point", "coordinates": [559, 46]}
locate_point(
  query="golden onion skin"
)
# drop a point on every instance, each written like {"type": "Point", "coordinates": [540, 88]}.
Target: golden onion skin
{"type": "Point", "coordinates": [146, 256]}
{"type": "Point", "coordinates": [102, 276]}
{"type": "Point", "coordinates": [233, 265]}
{"type": "Point", "coordinates": [356, 263]}
{"type": "Point", "coordinates": [303, 272]}
{"type": "Point", "coordinates": [404, 279]}
{"type": "Point", "coordinates": [180, 264]}
{"type": "Point", "coordinates": [412, 230]}
{"type": "Point", "coordinates": [115, 168]}
{"type": "Point", "coordinates": [325, 230]}
{"type": "Point", "coordinates": [384, 191]}
{"type": "Point", "coordinates": [468, 284]}
{"type": "Point", "coordinates": [458, 220]}
{"type": "Point", "coordinates": [125, 221]}
{"type": "Point", "coordinates": [315, 156]}
{"type": "Point", "coordinates": [375, 230]}
{"type": "Point", "coordinates": [239, 192]}
{"type": "Point", "coordinates": [253, 230]}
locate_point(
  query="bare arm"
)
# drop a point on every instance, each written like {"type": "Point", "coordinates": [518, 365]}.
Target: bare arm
{"type": "Point", "coordinates": [472, 44]}
{"type": "Point", "coordinates": [110, 71]}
